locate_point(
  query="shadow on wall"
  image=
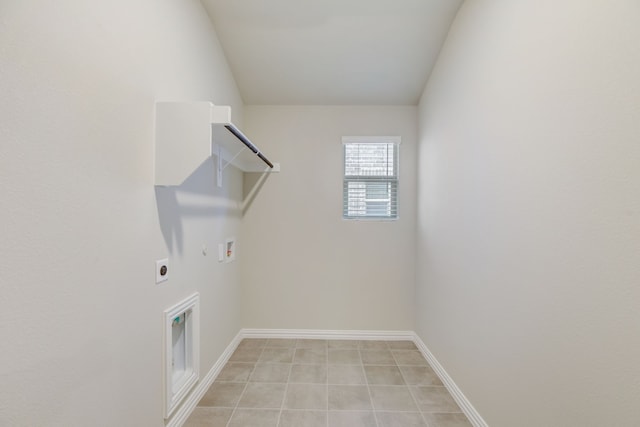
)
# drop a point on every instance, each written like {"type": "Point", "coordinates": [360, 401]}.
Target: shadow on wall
{"type": "Point", "coordinates": [251, 186]}
{"type": "Point", "coordinates": [197, 197]}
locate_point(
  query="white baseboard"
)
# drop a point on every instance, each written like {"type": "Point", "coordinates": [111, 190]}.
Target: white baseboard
{"type": "Point", "coordinates": [328, 334]}
{"type": "Point", "coordinates": [190, 403]}
{"type": "Point", "coordinates": [192, 400]}
{"type": "Point", "coordinates": [462, 401]}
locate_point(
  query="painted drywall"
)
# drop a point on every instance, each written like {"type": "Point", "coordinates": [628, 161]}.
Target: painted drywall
{"type": "Point", "coordinates": [82, 225]}
{"type": "Point", "coordinates": [529, 211]}
{"type": "Point", "coordinates": [306, 267]}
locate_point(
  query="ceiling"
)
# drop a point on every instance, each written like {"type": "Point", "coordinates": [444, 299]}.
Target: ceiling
{"type": "Point", "coordinates": [331, 52]}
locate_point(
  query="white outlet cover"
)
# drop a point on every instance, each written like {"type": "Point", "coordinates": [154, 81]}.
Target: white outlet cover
{"type": "Point", "coordinates": [159, 276]}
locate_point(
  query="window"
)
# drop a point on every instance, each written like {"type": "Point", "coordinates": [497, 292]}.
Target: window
{"type": "Point", "coordinates": [370, 188]}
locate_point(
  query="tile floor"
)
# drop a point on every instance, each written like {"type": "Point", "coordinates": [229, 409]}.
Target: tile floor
{"type": "Point", "coordinates": [309, 383]}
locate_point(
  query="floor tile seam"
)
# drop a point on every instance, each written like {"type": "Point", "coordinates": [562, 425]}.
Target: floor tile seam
{"type": "Point", "coordinates": [398, 365]}
{"type": "Point", "coordinates": [426, 363]}
{"type": "Point", "coordinates": [430, 386]}
{"type": "Point", "coordinates": [407, 382]}
{"type": "Point", "coordinates": [361, 342]}
{"type": "Point", "coordinates": [216, 407]}
{"type": "Point", "coordinates": [284, 397]}
{"type": "Point", "coordinates": [268, 382]}
{"type": "Point", "coordinates": [366, 381]}
{"type": "Point", "coordinates": [379, 364]}
{"type": "Point", "coordinates": [235, 407]}
{"type": "Point", "coordinates": [415, 400]}
{"type": "Point", "coordinates": [303, 363]}
{"type": "Point", "coordinates": [412, 366]}
{"type": "Point", "coordinates": [273, 363]}
{"type": "Point", "coordinates": [243, 391]}
{"type": "Point", "coordinates": [326, 387]}
{"type": "Point", "coordinates": [307, 363]}
{"type": "Point", "coordinates": [281, 346]}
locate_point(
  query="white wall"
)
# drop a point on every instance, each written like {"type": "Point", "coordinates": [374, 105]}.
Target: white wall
{"type": "Point", "coordinates": [306, 267]}
{"type": "Point", "coordinates": [529, 211]}
{"type": "Point", "coordinates": [82, 225]}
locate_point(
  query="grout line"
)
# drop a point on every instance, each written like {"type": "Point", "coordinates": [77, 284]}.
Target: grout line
{"type": "Point", "coordinates": [286, 385]}
{"type": "Point", "coordinates": [362, 366]}
{"type": "Point", "coordinates": [245, 386]}
{"type": "Point", "coordinates": [326, 361]}
{"type": "Point", "coordinates": [366, 381]}
{"type": "Point", "coordinates": [415, 401]}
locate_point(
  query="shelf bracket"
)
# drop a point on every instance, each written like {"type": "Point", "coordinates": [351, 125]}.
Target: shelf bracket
{"type": "Point", "coordinates": [222, 165]}
{"type": "Point", "coordinates": [233, 158]}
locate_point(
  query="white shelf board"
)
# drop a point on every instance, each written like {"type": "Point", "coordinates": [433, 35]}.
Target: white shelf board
{"type": "Point", "coordinates": [186, 133]}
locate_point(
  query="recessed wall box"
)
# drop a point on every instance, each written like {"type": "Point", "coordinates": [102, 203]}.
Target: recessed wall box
{"type": "Point", "coordinates": [230, 249]}
{"type": "Point", "coordinates": [181, 351]}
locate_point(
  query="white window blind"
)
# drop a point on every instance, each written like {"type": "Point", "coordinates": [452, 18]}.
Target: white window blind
{"type": "Point", "coordinates": [370, 187]}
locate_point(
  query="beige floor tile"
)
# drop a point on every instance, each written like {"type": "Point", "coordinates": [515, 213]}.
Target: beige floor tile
{"type": "Point", "coordinates": [349, 397]}
{"type": "Point", "coordinates": [209, 417]}
{"type": "Point", "coordinates": [401, 345]}
{"type": "Point", "coordinates": [254, 418]}
{"type": "Point", "coordinates": [290, 418]}
{"type": "Point", "coordinates": [343, 344]}
{"type": "Point", "coordinates": [310, 355]}
{"type": "Point", "coordinates": [383, 375]}
{"type": "Point", "coordinates": [249, 355]}
{"type": "Point", "coordinates": [311, 343]}
{"type": "Point", "coordinates": [344, 357]}
{"type": "Point", "coordinates": [409, 357]}
{"type": "Point", "coordinates": [419, 375]}
{"type": "Point", "coordinates": [309, 383]}
{"type": "Point", "coordinates": [372, 345]}
{"type": "Point", "coordinates": [236, 372]}
{"type": "Point", "coordinates": [392, 398]}
{"type": "Point", "coordinates": [276, 355]}
{"type": "Point", "coordinates": [306, 396]}
{"type": "Point", "coordinates": [281, 342]}
{"type": "Point", "coordinates": [400, 419]}
{"type": "Point", "coordinates": [262, 396]}
{"type": "Point", "coordinates": [346, 374]}
{"type": "Point", "coordinates": [270, 373]}
{"type": "Point", "coordinates": [316, 374]}
{"type": "Point", "coordinates": [447, 420]}
{"type": "Point", "coordinates": [252, 343]}
{"type": "Point", "coordinates": [434, 399]}
{"type": "Point", "coordinates": [222, 395]}
{"type": "Point", "coordinates": [352, 419]}
{"type": "Point", "coordinates": [377, 357]}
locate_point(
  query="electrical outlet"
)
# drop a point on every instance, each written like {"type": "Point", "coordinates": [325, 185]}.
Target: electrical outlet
{"type": "Point", "coordinates": [230, 249]}
{"type": "Point", "coordinates": [162, 270]}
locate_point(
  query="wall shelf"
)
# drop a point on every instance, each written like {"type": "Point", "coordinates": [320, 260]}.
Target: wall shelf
{"type": "Point", "coordinates": [188, 133]}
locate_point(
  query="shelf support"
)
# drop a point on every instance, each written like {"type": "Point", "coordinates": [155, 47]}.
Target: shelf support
{"type": "Point", "coordinates": [189, 132]}
{"type": "Point", "coordinates": [221, 164]}
{"type": "Point", "coordinates": [234, 130]}
{"type": "Point", "coordinates": [234, 157]}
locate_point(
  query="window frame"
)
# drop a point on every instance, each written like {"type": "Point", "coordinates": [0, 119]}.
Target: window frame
{"type": "Point", "coordinates": [393, 180]}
